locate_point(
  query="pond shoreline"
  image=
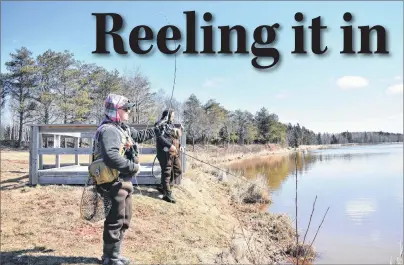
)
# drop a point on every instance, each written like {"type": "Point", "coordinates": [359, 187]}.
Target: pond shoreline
{"type": "Point", "coordinates": [274, 232]}
{"type": "Point", "coordinates": [209, 224]}
{"type": "Point", "coordinates": [359, 212]}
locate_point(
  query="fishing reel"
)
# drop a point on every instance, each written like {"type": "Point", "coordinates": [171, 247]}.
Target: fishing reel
{"type": "Point", "coordinates": [132, 153]}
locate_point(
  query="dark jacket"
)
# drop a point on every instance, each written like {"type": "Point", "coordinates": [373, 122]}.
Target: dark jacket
{"type": "Point", "coordinates": [165, 139]}
{"type": "Point", "coordinates": [110, 143]}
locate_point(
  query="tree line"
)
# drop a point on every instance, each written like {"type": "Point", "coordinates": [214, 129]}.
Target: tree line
{"type": "Point", "coordinates": [54, 87]}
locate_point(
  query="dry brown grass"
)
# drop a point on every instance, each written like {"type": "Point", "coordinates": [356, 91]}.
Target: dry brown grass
{"type": "Point", "coordinates": [42, 225]}
{"type": "Point", "coordinates": [252, 192]}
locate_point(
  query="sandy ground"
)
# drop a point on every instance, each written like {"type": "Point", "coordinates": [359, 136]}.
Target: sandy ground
{"type": "Point", "coordinates": [42, 224]}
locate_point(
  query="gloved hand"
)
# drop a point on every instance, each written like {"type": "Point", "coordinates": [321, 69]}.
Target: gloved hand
{"type": "Point", "coordinates": [173, 150]}
{"type": "Point", "coordinates": [162, 121]}
{"type": "Point", "coordinates": [130, 154]}
{"type": "Point", "coordinates": [136, 170]}
{"type": "Point", "coordinates": [158, 129]}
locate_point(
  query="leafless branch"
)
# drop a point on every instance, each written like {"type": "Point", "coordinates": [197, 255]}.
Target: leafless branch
{"type": "Point", "coordinates": [316, 233]}
{"type": "Point", "coordinates": [308, 227]}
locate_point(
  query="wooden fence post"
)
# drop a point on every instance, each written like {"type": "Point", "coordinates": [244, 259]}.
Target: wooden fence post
{"type": "Point", "coordinates": [182, 157]}
{"type": "Point", "coordinates": [40, 156]}
{"type": "Point", "coordinates": [33, 155]}
{"type": "Point", "coordinates": [90, 157]}
{"type": "Point", "coordinates": [76, 145]}
{"type": "Point", "coordinates": [56, 144]}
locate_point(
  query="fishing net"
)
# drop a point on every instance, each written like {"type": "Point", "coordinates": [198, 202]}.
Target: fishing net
{"type": "Point", "coordinates": [94, 206]}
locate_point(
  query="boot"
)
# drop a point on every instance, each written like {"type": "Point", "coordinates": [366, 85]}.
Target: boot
{"type": "Point", "coordinates": [123, 259]}
{"type": "Point", "coordinates": [160, 189]}
{"type": "Point", "coordinates": [168, 197]}
{"type": "Point", "coordinates": [111, 254]}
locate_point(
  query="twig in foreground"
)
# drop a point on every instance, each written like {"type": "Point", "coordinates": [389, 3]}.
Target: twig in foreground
{"type": "Point", "coordinates": [308, 227]}
{"type": "Point", "coordinates": [316, 233]}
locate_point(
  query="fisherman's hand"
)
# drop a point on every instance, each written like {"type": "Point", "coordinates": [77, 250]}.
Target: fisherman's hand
{"type": "Point", "coordinates": [172, 150]}
{"type": "Point", "coordinates": [136, 168]}
{"type": "Point", "coordinates": [159, 128]}
{"type": "Point", "coordinates": [136, 160]}
{"type": "Point", "coordinates": [162, 121]}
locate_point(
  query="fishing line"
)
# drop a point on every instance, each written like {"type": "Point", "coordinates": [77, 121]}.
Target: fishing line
{"type": "Point", "coordinates": [226, 171]}
{"type": "Point", "coordinates": [175, 64]}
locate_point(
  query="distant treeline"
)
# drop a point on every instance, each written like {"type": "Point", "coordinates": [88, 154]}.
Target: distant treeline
{"type": "Point", "coordinates": [54, 88]}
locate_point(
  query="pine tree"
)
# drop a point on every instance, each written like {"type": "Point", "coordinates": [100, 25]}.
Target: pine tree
{"type": "Point", "coordinates": [20, 82]}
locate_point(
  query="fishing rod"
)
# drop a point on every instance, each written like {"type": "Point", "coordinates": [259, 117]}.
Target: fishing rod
{"type": "Point", "coordinates": [172, 92]}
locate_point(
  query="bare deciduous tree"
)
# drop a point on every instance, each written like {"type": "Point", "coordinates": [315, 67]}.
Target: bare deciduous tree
{"type": "Point", "coordinates": [137, 88]}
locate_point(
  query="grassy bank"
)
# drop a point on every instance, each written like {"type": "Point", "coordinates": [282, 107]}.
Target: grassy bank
{"type": "Point", "coordinates": [211, 223]}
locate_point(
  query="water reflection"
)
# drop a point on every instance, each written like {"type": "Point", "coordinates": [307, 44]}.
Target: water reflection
{"type": "Point", "coordinates": [358, 210]}
{"type": "Point", "coordinates": [363, 187]}
{"type": "Point", "coordinates": [277, 168]}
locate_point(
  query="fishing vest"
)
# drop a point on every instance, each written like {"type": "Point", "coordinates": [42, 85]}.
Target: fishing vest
{"type": "Point", "coordinates": [171, 132]}
{"type": "Point", "coordinates": [97, 168]}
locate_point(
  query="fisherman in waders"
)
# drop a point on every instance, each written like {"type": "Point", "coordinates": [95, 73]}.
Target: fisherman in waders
{"type": "Point", "coordinates": [115, 144]}
{"type": "Point", "coordinates": [168, 147]}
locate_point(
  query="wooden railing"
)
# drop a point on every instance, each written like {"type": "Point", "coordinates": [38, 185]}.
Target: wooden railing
{"type": "Point", "coordinates": [76, 173]}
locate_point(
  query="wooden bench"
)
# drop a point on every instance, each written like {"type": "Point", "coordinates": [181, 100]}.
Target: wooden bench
{"type": "Point", "coordinates": [77, 172]}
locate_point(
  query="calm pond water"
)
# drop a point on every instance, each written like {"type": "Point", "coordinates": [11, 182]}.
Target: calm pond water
{"type": "Point", "coordinates": [362, 185]}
